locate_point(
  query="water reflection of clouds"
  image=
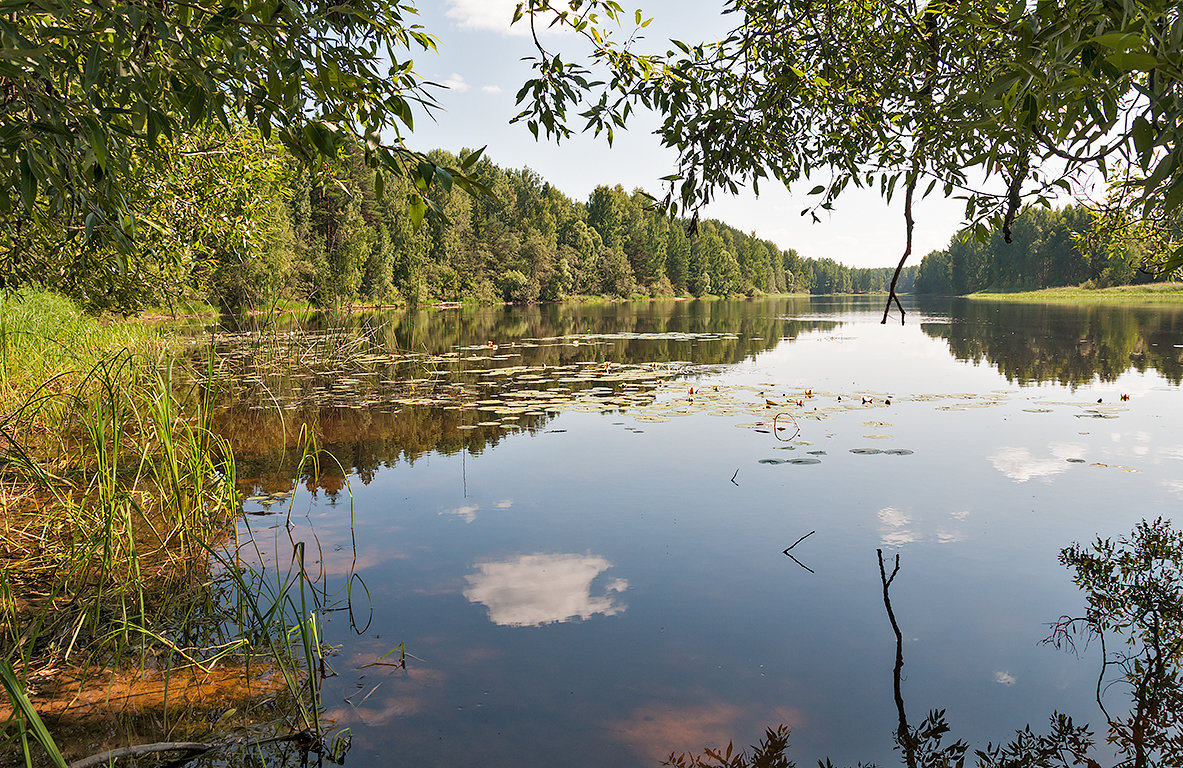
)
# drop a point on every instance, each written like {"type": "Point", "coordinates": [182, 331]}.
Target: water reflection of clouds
{"type": "Point", "coordinates": [893, 528]}
{"type": "Point", "coordinates": [655, 730]}
{"type": "Point", "coordinates": [1020, 465]}
{"type": "Point", "coordinates": [465, 513]}
{"type": "Point", "coordinates": [896, 528]}
{"type": "Point", "coordinates": [532, 590]}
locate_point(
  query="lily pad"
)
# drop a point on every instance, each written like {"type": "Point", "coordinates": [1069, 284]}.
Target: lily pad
{"type": "Point", "coordinates": [805, 461]}
{"type": "Point", "coordinates": [865, 451]}
{"type": "Point", "coordinates": [898, 451]}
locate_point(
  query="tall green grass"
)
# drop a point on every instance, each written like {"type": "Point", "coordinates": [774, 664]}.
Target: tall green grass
{"type": "Point", "coordinates": [47, 342]}
{"type": "Point", "coordinates": [118, 522]}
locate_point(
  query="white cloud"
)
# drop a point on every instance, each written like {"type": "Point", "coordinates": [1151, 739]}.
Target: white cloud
{"type": "Point", "coordinates": [494, 15]}
{"type": "Point", "coordinates": [897, 528]}
{"type": "Point", "coordinates": [467, 514]}
{"type": "Point", "coordinates": [504, 504]}
{"type": "Point", "coordinates": [532, 590]}
{"type": "Point", "coordinates": [494, 89]}
{"type": "Point", "coordinates": [950, 537]}
{"type": "Point", "coordinates": [455, 83]}
{"type": "Point", "coordinates": [484, 14]}
{"type": "Point", "coordinates": [893, 528]}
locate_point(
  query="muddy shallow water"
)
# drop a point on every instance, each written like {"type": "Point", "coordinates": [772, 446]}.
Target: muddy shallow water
{"type": "Point", "coordinates": [574, 518]}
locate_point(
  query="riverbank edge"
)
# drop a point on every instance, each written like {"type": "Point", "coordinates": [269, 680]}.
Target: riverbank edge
{"type": "Point", "coordinates": [1155, 293]}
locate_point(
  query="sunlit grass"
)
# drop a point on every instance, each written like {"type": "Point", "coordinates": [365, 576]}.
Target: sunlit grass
{"type": "Point", "coordinates": [1121, 294]}
{"type": "Point", "coordinates": [48, 344]}
{"type": "Point", "coordinates": [118, 521]}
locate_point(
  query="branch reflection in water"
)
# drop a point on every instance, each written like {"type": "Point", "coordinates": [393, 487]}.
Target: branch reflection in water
{"type": "Point", "coordinates": [1134, 593]}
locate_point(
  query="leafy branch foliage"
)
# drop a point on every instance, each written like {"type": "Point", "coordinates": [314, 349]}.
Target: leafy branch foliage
{"type": "Point", "coordinates": [92, 90]}
{"type": "Point", "coordinates": [996, 102]}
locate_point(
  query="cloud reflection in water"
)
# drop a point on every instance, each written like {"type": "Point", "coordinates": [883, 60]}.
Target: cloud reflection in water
{"type": "Point", "coordinates": [1020, 465]}
{"type": "Point", "coordinates": [532, 590]}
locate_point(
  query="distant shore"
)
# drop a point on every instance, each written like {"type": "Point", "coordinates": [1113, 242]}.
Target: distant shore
{"type": "Point", "coordinates": [1122, 294]}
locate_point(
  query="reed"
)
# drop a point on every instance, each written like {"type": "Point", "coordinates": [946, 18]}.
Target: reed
{"type": "Point", "coordinates": [120, 544]}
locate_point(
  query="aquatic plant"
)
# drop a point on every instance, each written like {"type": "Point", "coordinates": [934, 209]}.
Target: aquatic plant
{"type": "Point", "coordinates": [121, 550]}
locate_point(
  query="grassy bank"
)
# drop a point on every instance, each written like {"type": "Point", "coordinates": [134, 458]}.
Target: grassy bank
{"type": "Point", "coordinates": [121, 565]}
{"type": "Point", "coordinates": [1154, 293]}
{"type": "Point", "coordinates": [47, 344]}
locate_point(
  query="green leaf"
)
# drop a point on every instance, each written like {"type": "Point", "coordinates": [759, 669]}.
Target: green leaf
{"type": "Point", "coordinates": [1118, 41]}
{"type": "Point", "coordinates": [28, 183]}
{"type": "Point", "coordinates": [20, 702]}
{"type": "Point", "coordinates": [1143, 135]}
{"type": "Point", "coordinates": [1174, 197]}
{"type": "Point", "coordinates": [322, 138]}
{"type": "Point", "coordinates": [416, 208]}
{"type": "Point", "coordinates": [471, 159]}
{"type": "Point", "coordinates": [1130, 61]}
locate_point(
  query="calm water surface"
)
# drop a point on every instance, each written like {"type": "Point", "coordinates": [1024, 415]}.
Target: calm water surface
{"type": "Point", "coordinates": [587, 563]}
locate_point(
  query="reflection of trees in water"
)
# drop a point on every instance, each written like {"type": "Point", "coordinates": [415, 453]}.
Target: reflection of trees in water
{"type": "Point", "coordinates": [1071, 345]}
{"type": "Point", "coordinates": [443, 356]}
{"type": "Point", "coordinates": [1133, 589]}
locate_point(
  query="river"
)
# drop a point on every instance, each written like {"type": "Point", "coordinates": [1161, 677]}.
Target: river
{"type": "Point", "coordinates": [596, 549]}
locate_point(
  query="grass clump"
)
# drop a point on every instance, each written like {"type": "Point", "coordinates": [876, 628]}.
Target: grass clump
{"type": "Point", "coordinates": [47, 344]}
{"type": "Point", "coordinates": [118, 526]}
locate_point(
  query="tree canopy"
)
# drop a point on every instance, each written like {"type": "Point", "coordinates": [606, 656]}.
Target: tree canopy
{"type": "Point", "coordinates": [996, 102]}
{"type": "Point", "coordinates": [91, 90]}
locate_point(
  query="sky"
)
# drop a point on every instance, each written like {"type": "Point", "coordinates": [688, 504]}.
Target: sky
{"type": "Point", "coordinates": [480, 60]}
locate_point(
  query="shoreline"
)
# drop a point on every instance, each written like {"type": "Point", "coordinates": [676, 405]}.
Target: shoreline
{"type": "Point", "coordinates": [1152, 293]}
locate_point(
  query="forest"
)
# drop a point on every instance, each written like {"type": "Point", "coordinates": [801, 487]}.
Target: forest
{"type": "Point", "coordinates": [231, 219]}
{"type": "Point", "coordinates": [1049, 248]}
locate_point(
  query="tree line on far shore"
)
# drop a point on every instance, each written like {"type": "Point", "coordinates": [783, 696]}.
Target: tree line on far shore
{"type": "Point", "coordinates": [230, 219]}
{"type": "Point", "coordinates": [1049, 248]}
